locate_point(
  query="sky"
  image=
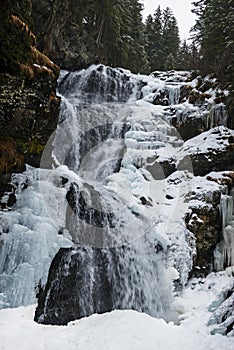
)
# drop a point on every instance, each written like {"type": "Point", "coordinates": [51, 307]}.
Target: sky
{"type": "Point", "coordinates": [181, 10]}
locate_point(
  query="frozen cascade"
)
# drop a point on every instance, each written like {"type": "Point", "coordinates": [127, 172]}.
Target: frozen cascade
{"type": "Point", "coordinates": [96, 84]}
{"type": "Point", "coordinates": [174, 94]}
{"type": "Point", "coordinates": [102, 271]}
{"type": "Point", "coordinates": [29, 239]}
{"type": "Point", "coordinates": [112, 201]}
{"type": "Point", "coordinates": [216, 115]}
{"type": "Point", "coordinates": [224, 253]}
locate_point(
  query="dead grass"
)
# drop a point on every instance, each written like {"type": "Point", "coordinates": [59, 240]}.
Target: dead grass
{"type": "Point", "coordinates": [27, 71]}
{"type": "Point", "coordinates": [42, 60]}
{"type": "Point", "coordinates": [24, 27]}
{"type": "Point", "coordinates": [10, 157]}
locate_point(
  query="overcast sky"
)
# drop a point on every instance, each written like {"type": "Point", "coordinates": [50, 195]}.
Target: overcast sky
{"type": "Point", "coordinates": [181, 10]}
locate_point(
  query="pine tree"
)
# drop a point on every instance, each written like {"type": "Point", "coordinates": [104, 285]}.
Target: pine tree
{"type": "Point", "coordinates": [153, 30]}
{"type": "Point", "coordinates": [214, 31]}
{"type": "Point", "coordinates": [170, 38]}
{"type": "Point", "coordinates": [214, 37]}
{"type": "Point", "coordinates": [163, 40]}
{"type": "Point", "coordinates": [137, 56]}
{"type": "Point", "coordinates": [186, 59]}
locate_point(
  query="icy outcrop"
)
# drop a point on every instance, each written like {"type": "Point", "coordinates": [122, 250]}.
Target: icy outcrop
{"type": "Point", "coordinates": [213, 150]}
{"type": "Point", "coordinates": [222, 319]}
{"type": "Point", "coordinates": [29, 239]}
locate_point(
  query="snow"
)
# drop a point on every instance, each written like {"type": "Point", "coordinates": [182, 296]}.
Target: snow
{"type": "Point", "coordinates": [125, 330]}
{"type": "Point", "coordinates": [30, 231]}
{"type": "Point", "coordinates": [214, 140]}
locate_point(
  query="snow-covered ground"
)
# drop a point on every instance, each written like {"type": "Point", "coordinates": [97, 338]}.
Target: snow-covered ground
{"type": "Point", "coordinates": [125, 330]}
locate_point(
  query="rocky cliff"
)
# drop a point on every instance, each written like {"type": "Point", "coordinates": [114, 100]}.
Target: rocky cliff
{"type": "Point", "coordinates": [29, 106]}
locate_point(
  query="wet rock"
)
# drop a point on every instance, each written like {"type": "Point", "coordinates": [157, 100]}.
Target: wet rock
{"type": "Point", "coordinates": [71, 297]}
{"type": "Point", "coordinates": [147, 202]}
{"type": "Point", "coordinates": [160, 169]}
{"type": "Point", "coordinates": [168, 196]}
{"type": "Point", "coordinates": [206, 224]}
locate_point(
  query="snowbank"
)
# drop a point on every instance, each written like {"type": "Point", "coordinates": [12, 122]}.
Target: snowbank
{"type": "Point", "coordinates": [125, 330]}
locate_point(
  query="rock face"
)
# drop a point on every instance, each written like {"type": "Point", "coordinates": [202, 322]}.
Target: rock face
{"type": "Point", "coordinates": [29, 106]}
{"type": "Point", "coordinates": [205, 219]}
{"type": "Point", "coordinates": [206, 224]}
{"type": "Point", "coordinates": [28, 116]}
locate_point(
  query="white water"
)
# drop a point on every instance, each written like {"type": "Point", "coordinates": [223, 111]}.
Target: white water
{"type": "Point", "coordinates": [91, 141]}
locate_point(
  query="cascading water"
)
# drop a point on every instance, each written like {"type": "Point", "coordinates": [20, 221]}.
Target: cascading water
{"type": "Point", "coordinates": [121, 216]}
{"type": "Point", "coordinates": [117, 260]}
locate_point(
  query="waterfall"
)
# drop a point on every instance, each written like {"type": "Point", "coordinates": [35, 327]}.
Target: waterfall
{"type": "Point", "coordinates": [96, 84]}
{"type": "Point", "coordinates": [101, 221]}
{"type": "Point", "coordinates": [88, 281]}
{"type": "Point", "coordinates": [174, 95]}
{"type": "Point", "coordinates": [117, 261]}
{"type": "Point", "coordinates": [224, 253]}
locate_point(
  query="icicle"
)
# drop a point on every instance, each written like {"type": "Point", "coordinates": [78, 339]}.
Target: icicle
{"type": "Point", "coordinates": [224, 252]}
{"type": "Point", "coordinates": [174, 95]}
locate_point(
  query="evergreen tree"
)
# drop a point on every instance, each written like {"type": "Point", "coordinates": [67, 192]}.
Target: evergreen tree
{"type": "Point", "coordinates": [214, 37]}
{"type": "Point", "coordinates": [137, 56]}
{"type": "Point", "coordinates": [163, 40]}
{"type": "Point", "coordinates": [187, 57]}
{"type": "Point", "coordinates": [117, 30]}
{"type": "Point", "coordinates": [154, 48]}
{"type": "Point", "coordinates": [170, 39]}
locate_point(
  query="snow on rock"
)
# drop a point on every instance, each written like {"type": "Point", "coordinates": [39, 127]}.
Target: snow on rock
{"type": "Point", "coordinates": [205, 301]}
{"type": "Point", "coordinates": [210, 151]}
{"type": "Point", "coordinates": [222, 307]}
{"type": "Point", "coordinates": [216, 139]}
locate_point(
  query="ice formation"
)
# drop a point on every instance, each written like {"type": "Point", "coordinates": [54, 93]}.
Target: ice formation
{"type": "Point", "coordinates": [113, 136]}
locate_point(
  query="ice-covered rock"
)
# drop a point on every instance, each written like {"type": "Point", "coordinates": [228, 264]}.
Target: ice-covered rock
{"type": "Point", "coordinates": [222, 308]}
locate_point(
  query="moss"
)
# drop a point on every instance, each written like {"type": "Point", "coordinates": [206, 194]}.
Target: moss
{"type": "Point", "coordinates": [13, 153]}
{"type": "Point", "coordinates": [22, 145]}
{"type": "Point", "coordinates": [35, 147]}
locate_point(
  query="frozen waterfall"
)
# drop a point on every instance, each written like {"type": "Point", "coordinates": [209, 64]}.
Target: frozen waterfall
{"type": "Point", "coordinates": [102, 220]}
{"type": "Point", "coordinates": [224, 253]}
